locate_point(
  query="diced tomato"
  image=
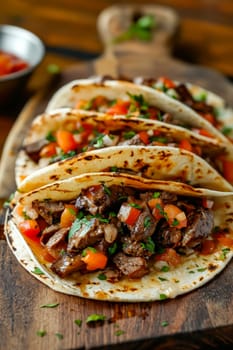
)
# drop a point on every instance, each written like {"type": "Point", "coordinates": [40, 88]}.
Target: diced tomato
{"type": "Point", "coordinates": [94, 259]}
{"type": "Point", "coordinates": [208, 246]}
{"type": "Point", "coordinates": [156, 205]}
{"type": "Point", "coordinates": [153, 113]}
{"type": "Point", "coordinates": [132, 216]}
{"type": "Point", "coordinates": [207, 203]}
{"type": "Point", "coordinates": [209, 117]}
{"type": "Point", "coordinates": [203, 132]}
{"type": "Point", "coordinates": [68, 215]}
{"type": "Point", "coordinates": [144, 137]}
{"type": "Point", "coordinates": [185, 144]}
{"type": "Point", "coordinates": [49, 150]}
{"type": "Point", "coordinates": [170, 256]}
{"type": "Point", "coordinates": [167, 82]}
{"type": "Point", "coordinates": [227, 169]}
{"type": "Point", "coordinates": [120, 108]}
{"type": "Point", "coordinates": [176, 217]}
{"type": "Point", "coordinates": [224, 240]}
{"type": "Point", "coordinates": [30, 228]}
{"type": "Point", "coordinates": [66, 141]}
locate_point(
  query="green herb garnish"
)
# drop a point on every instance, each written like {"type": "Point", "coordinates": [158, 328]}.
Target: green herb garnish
{"type": "Point", "coordinates": [59, 336]}
{"type": "Point", "coordinates": [164, 323]}
{"type": "Point", "coordinates": [78, 322]}
{"type": "Point", "coordinates": [37, 271]}
{"type": "Point", "coordinates": [163, 296]}
{"type": "Point", "coordinates": [149, 245]}
{"type": "Point", "coordinates": [102, 277]}
{"type": "Point", "coordinates": [41, 333]}
{"type": "Point", "coordinates": [52, 305]}
{"type": "Point", "coordinates": [95, 317]}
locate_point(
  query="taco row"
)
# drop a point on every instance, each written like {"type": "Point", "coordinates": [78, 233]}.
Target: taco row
{"type": "Point", "coordinates": [121, 190]}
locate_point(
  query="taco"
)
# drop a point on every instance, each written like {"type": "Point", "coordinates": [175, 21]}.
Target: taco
{"type": "Point", "coordinates": [206, 103]}
{"type": "Point", "coordinates": [125, 98]}
{"type": "Point", "coordinates": [54, 137]}
{"type": "Point", "coordinates": [121, 237]}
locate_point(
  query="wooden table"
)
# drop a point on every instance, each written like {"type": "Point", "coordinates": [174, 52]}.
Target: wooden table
{"type": "Point", "coordinates": [201, 319]}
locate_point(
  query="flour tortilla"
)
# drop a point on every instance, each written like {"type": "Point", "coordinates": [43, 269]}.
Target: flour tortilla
{"type": "Point", "coordinates": [223, 110]}
{"type": "Point", "coordinates": [164, 162]}
{"type": "Point", "coordinates": [71, 93]}
{"type": "Point", "coordinates": [156, 285]}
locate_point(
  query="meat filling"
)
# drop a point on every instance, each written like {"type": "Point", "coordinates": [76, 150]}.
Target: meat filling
{"type": "Point", "coordinates": [121, 229]}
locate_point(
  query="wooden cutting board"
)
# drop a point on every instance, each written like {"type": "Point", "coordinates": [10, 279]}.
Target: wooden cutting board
{"type": "Point", "coordinates": [200, 319]}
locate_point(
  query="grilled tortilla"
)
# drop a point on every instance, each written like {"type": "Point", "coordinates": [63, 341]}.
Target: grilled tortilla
{"type": "Point", "coordinates": [206, 103]}
{"type": "Point", "coordinates": [116, 237]}
{"type": "Point", "coordinates": [111, 96]}
{"type": "Point", "coordinates": [175, 153]}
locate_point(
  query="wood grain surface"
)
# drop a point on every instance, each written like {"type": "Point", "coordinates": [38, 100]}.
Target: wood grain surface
{"type": "Point", "coordinates": [200, 319]}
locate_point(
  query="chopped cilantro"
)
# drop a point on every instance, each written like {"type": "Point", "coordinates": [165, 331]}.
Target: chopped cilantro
{"type": "Point", "coordinates": [50, 137]}
{"type": "Point", "coordinates": [147, 222]}
{"type": "Point", "coordinates": [201, 269]}
{"type": "Point", "coordinates": [107, 190]}
{"type": "Point", "coordinates": [175, 222]}
{"type": "Point", "coordinates": [41, 333]}
{"type": "Point", "coordinates": [129, 134]}
{"type": "Point", "coordinates": [83, 223]}
{"type": "Point", "coordinates": [95, 317]}
{"type": "Point", "coordinates": [156, 195]}
{"type": "Point", "coordinates": [113, 248]}
{"type": "Point", "coordinates": [51, 305]}
{"type": "Point", "coordinates": [162, 279]}
{"type": "Point", "coordinates": [163, 296]}
{"type": "Point", "coordinates": [226, 130]}
{"type": "Point", "coordinates": [119, 332]}
{"type": "Point", "coordinates": [164, 323]}
{"type": "Point", "coordinates": [78, 322]}
{"type": "Point", "coordinates": [165, 268]}
{"type": "Point", "coordinates": [113, 169]}
{"type": "Point", "coordinates": [84, 252]}
{"type": "Point", "coordinates": [102, 277]}
{"type": "Point", "coordinates": [135, 205]}
{"type": "Point", "coordinates": [38, 271]}
{"type": "Point", "coordinates": [59, 336]}
{"type": "Point", "coordinates": [149, 245]}
{"type": "Point", "coordinates": [224, 253]}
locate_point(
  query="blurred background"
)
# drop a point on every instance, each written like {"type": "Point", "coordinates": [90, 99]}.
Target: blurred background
{"type": "Point", "coordinates": [68, 28]}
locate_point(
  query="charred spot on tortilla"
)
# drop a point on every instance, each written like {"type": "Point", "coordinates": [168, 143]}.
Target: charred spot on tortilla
{"type": "Point", "coordinates": [69, 171]}
{"type": "Point", "coordinates": [54, 177]}
{"type": "Point", "coordinates": [212, 267]}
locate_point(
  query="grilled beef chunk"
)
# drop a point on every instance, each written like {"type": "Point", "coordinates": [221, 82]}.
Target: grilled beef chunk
{"type": "Point", "coordinates": [48, 210]}
{"type": "Point", "coordinates": [33, 149]}
{"type": "Point", "coordinates": [167, 236]}
{"type": "Point", "coordinates": [57, 242]}
{"type": "Point", "coordinates": [200, 225]}
{"type": "Point", "coordinates": [133, 248]}
{"type": "Point", "coordinates": [186, 97]}
{"type": "Point", "coordinates": [97, 199]}
{"type": "Point", "coordinates": [67, 264]}
{"type": "Point", "coordinates": [48, 232]}
{"type": "Point", "coordinates": [132, 267]}
{"type": "Point", "coordinates": [89, 232]}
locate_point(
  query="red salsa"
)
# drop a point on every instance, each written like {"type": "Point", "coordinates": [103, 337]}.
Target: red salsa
{"type": "Point", "coordinates": [10, 63]}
